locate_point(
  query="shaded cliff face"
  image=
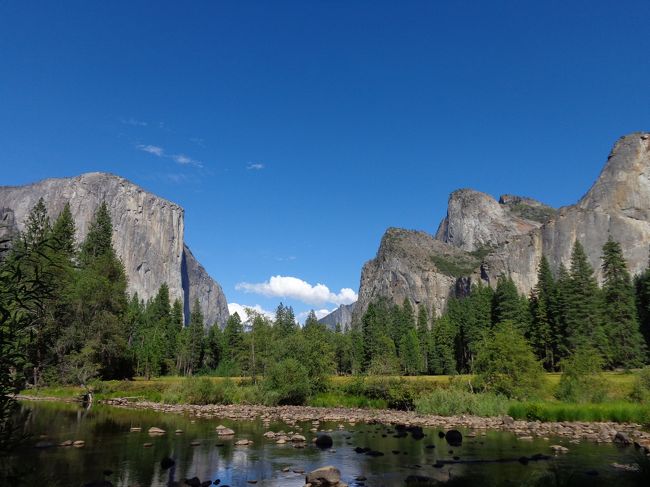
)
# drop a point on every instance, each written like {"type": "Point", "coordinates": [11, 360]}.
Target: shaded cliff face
{"type": "Point", "coordinates": [509, 236]}
{"type": "Point", "coordinates": [340, 316]}
{"type": "Point", "coordinates": [147, 232]}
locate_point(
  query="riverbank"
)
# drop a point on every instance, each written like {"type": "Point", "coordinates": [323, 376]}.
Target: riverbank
{"type": "Point", "coordinates": [576, 431]}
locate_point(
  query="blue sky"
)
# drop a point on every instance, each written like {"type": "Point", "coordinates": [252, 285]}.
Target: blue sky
{"type": "Point", "coordinates": [295, 133]}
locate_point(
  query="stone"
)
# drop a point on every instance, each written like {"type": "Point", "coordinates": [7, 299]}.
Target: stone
{"type": "Point", "coordinates": [298, 439]}
{"type": "Point", "coordinates": [155, 431]}
{"type": "Point", "coordinates": [147, 445]}
{"type": "Point", "coordinates": [79, 443]}
{"type": "Point", "coordinates": [135, 429]}
{"type": "Point", "coordinates": [225, 432]}
{"type": "Point", "coordinates": [324, 476]}
{"type": "Point", "coordinates": [454, 437]}
{"type": "Point", "coordinates": [243, 442]}
{"type": "Point", "coordinates": [559, 448]}
{"type": "Point", "coordinates": [148, 234]}
{"type": "Point", "coordinates": [195, 443]}
{"type": "Point", "coordinates": [324, 441]}
{"type": "Point", "coordinates": [622, 439]}
{"type": "Point", "coordinates": [66, 443]}
{"type": "Point", "coordinates": [340, 316]}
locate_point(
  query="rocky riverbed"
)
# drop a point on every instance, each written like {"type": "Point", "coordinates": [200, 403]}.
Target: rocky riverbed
{"type": "Point", "coordinates": [606, 432]}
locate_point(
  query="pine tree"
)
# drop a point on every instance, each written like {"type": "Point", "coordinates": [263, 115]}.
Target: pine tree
{"type": "Point", "coordinates": [583, 312]}
{"type": "Point", "coordinates": [507, 305]}
{"type": "Point", "coordinates": [233, 335]}
{"type": "Point", "coordinates": [424, 336]}
{"type": "Point", "coordinates": [63, 234]}
{"type": "Point", "coordinates": [620, 320]}
{"type": "Point", "coordinates": [410, 353]}
{"type": "Point", "coordinates": [642, 291]}
{"type": "Point", "coordinates": [285, 321]}
{"type": "Point", "coordinates": [443, 339]}
{"type": "Point", "coordinates": [541, 330]}
{"type": "Point", "coordinates": [559, 305]}
{"type": "Point", "coordinates": [98, 241]}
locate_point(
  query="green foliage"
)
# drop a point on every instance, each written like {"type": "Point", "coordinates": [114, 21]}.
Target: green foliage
{"type": "Point", "coordinates": [541, 333]}
{"type": "Point", "coordinates": [287, 383]}
{"type": "Point", "coordinates": [536, 213]}
{"type": "Point", "coordinates": [454, 401]}
{"type": "Point", "coordinates": [626, 344]}
{"type": "Point", "coordinates": [199, 390]}
{"type": "Point", "coordinates": [410, 354]}
{"type": "Point", "coordinates": [581, 380]}
{"type": "Point", "coordinates": [619, 412]}
{"type": "Point", "coordinates": [442, 360]}
{"type": "Point", "coordinates": [505, 364]}
{"type": "Point", "coordinates": [641, 389]}
{"type": "Point", "coordinates": [455, 265]}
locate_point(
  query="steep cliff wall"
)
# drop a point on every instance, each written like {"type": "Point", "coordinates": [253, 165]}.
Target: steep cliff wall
{"type": "Point", "coordinates": [340, 316]}
{"type": "Point", "coordinates": [509, 236]}
{"type": "Point", "coordinates": [147, 232]}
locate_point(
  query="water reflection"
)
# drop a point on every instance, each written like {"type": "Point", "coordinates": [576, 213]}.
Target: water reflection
{"type": "Point", "coordinates": [387, 458]}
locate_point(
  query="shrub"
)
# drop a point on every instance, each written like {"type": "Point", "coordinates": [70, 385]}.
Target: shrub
{"type": "Point", "coordinates": [581, 379]}
{"type": "Point", "coordinates": [641, 389]}
{"type": "Point", "coordinates": [287, 382]}
{"type": "Point", "coordinates": [505, 364]}
{"type": "Point", "coordinates": [455, 401]}
{"type": "Point", "coordinates": [198, 390]}
{"type": "Point", "coordinates": [397, 393]}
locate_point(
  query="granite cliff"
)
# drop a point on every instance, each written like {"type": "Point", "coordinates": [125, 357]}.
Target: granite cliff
{"type": "Point", "coordinates": [147, 234]}
{"type": "Point", "coordinates": [340, 316]}
{"type": "Point", "coordinates": [482, 238]}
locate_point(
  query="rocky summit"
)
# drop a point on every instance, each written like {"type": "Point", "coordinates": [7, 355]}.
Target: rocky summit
{"type": "Point", "coordinates": [147, 234]}
{"type": "Point", "coordinates": [482, 238]}
{"type": "Point", "coordinates": [340, 316]}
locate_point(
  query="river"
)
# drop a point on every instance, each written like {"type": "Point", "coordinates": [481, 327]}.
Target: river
{"type": "Point", "coordinates": [114, 453]}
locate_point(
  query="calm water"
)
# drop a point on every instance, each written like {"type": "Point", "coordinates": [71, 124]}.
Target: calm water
{"type": "Point", "coordinates": [110, 446]}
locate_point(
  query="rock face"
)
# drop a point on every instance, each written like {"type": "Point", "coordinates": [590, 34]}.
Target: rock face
{"type": "Point", "coordinates": [147, 234]}
{"type": "Point", "coordinates": [482, 238]}
{"type": "Point", "coordinates": [340, 316]}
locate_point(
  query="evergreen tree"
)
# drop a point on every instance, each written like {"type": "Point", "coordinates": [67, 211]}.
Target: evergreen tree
{"type": "Point", "coordinates": [584, 306]}
{"type": "Point", "coordinates": [424, 336]}
{"type": "Point", "coordinates": [443, 339]}
{"type": "Point", "coordinates": [233, 335]}
{"type": "Point", "coordinates": [63, 234]}
{"type": "Point", "coordinates": [410, 353]}
{"type": "Point", "coordinates": [98, 241]}
{"type": "Point", "coordinates": [642, 288]}
{"type": "Point", "coordinates": [559, 308]}
{"type": "Point", "coordinates": [620, 320]}
{"type": "Point", "coordinates": [196, 331]}
{"type": "Point", "coordinates": [541, 334]}
{"type": "Point", "coordinates": [507, 305]}
{"type": "Point", "coordinates": [285, 321]}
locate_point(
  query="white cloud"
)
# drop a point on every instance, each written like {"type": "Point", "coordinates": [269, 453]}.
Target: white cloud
{"type": "Point", "coordinates": [134, 122]}
{"type": "Point", "coordinates": [185, 160]}
{"type": "Point", "coordinates": [181, 159]}
{"type": "Point", "coordinates": [152, 149]}
{"type": "Point", "coordinates": [292, 287]}
{"type": "Point", "coordinates": [240, 309]}
{"type": "Point", "coordinates": [255, 166]}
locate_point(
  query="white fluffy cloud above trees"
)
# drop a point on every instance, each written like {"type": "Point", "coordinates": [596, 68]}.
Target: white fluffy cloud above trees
{"type": "Point", "coordinates": [295, 288]}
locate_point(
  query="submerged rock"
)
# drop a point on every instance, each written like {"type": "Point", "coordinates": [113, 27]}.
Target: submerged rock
{"type": "Point", "coordinates": [454, 437]}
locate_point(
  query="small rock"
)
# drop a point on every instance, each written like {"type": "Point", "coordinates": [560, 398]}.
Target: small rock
{"type": "Point", "coordinates": [135, 429]}
{"type": "Point", "coordinates": [324, 441]}
{"type": "Point", "coordinates": [195, 443]}
{"type": "Point", "coordinates": [559, 448]}
{"type": "Point", "coordinates": [66, 443]}
{"type": "Point", "coordinates": [298, 438]}
{"type": "Point", "coordinates": [225, 431]}
{"type": "Point", "coordinates": [178, 432]}
{"type": "Point", "coordinates": [622, 439]}
{"type": "Point", "coordinates": [324, 476]}
{"type": "Point", "coordinates": [454, 437]}
{"type": "Point", "coordinates": [243, 442]}
{"type": "Point", "coordinates": [156, 431]}
{"type": "Point", "coordinates": [281, 441]}
{"type": "Point", "coordinates": [525, 438]}
{"type": "Point", "coordinates": [148, 445]}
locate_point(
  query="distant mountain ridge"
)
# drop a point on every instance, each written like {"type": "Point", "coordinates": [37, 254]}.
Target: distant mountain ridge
{"type": "Point", "coordinates": [340, 316]}
{"type": "Point", "coordinates": [482, 238]}
{"type": "Point", "coordinates": [148, 234]}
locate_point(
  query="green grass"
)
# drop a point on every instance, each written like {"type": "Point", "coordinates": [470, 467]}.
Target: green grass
{"type": "Point", "coordinates": [618, 412]}
{"type": "Point", "coordinates": [456, 401]}
{"type": "Point", "coordinates": [340, 400]}
{"type": "Point", "coordinates": [442, 395]}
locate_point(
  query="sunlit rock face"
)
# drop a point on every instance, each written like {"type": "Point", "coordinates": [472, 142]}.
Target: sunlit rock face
{"type": "Point", "coordinates": [147, 234]}
{"type": "Point", "coordinates": [482, 238]}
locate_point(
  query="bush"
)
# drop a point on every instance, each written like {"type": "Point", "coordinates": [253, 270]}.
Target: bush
{"type": "Point", "coordinates": [581, 380]}
{"type": "Point", "coordinates": [619, 412]}
{"type": "Point", "coordinates": [505, 364]}
{"type": "Point", "coordinates": [456, 401]}
{"type": "Point", "coordinates": [287, 382]}
{"type": "Point", "coordinates": [641, 389]}
{"type": "Point", "coordinates": [199, 390]}
{"type": "Point", "coordinates": [397, 393]}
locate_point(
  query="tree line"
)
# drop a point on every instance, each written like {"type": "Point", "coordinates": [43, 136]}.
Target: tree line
{"type": "Point", "coordinates": [563, 313]}
{"type": "Point", "coordinates": [88, 326]}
